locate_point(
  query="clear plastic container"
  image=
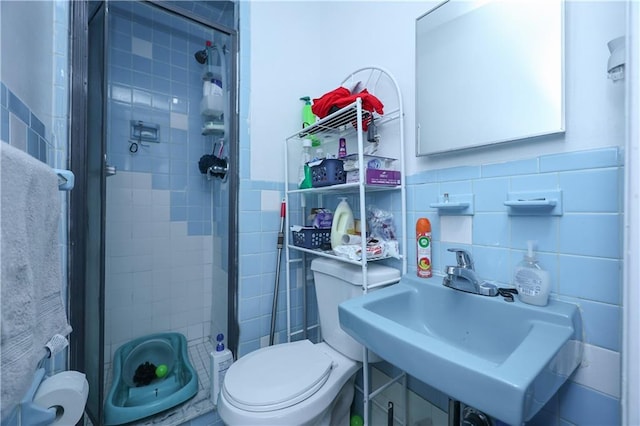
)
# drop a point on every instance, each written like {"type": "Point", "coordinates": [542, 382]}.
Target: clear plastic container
{"type": "Point", "coordinates": [531, 281]}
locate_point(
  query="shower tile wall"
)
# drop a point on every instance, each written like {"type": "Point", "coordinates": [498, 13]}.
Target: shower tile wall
{"type": "Point", "coordinates": [581, 249]}
{"type": "Point", "coordinates": [166, 223]}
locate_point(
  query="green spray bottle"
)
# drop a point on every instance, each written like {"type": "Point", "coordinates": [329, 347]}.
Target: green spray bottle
{"type": "Point", "coordinates": [308, 118]}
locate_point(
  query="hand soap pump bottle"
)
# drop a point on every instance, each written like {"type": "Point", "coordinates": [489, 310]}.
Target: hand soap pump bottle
{"type": "Point", "coordinates": [221, 360]}
{"type": "Point", "coordinates": [531, 281]}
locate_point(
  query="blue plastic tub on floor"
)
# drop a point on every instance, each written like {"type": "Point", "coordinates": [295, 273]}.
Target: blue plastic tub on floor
{"type": "Point", "coordinates": [127, 402]}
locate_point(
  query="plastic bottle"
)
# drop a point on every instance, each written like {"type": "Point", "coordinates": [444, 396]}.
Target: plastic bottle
{"type": "Point", "coordinates": [423, 248]}
{"type": "Point", "coordinates": [531, 281]}
{"type": "Point", "coordinates": [221, 360]}
{"type": "Point", "coordinates": [308, 118]}
{"type": "Point", "coordinates": [342, 148]}
{"type": "Point", "coordinates": [342, 224]}
{"type": "Point", "coordinates": [304, 172]}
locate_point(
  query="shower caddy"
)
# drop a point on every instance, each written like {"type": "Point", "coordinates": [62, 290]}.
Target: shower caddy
{"type": "Point", "coordinates": [389, 140]}
{"type": "Point", "coordinates": [214, 109]}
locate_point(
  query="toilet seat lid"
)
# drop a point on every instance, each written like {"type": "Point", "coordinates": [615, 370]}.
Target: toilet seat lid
{"type": "Point", "coordinates": [276, 377]}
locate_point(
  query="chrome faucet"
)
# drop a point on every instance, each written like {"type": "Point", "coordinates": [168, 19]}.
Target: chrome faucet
{"type": "Point", "coordinates": [463, 276]}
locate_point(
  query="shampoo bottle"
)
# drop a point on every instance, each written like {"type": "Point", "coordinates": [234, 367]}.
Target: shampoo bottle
{"type": "Point", "coordinates": [342, 223]}
{"type": "Point", "coordinates": [221, 360]}
{"type": "Point", "coordinates": [531, 281]}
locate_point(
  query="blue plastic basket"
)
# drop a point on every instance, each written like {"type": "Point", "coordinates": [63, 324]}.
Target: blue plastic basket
{"type": "Point", "coordinates": [312, 238]}
{"type": "Point", "coordinates": [329, 172]}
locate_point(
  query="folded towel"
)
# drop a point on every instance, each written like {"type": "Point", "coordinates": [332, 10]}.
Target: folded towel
{"type": "Point", "coordinates": [31, 303]}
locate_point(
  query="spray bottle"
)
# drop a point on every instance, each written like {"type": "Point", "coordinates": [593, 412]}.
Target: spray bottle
{"type": "Point", "coordinates": [423, 247]}
{"type": "Point", "coordinates": [308, 118]}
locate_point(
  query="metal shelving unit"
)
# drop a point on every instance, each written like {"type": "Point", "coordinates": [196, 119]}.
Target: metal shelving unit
{"type": "Point", "coordinates": [348, 123]}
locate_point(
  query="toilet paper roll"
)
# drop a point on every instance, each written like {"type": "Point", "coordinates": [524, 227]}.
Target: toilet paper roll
{"type": "Point", "coordinates": [351, 239]}
{"type": "Point", "coordinates": [66, 392]}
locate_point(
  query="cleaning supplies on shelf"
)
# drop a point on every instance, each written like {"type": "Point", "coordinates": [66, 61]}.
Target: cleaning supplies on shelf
{"type": "Point", "coordinates": [304, 171]}
{"type": "Point", "coordinates": [342, 224]}
{"type": "Point", "coordinates": [531, 281]}
{"type": "Point", "coordinates": [342, 148]}
{"type": "Point", "coordinates": [423, 248]}
{"type": "Point", "coordinates": [308, 117]}
{"type": "Point", "coordinates": [221, 360]}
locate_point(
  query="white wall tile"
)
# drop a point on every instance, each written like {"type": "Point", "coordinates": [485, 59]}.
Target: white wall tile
{"type": "Point", "coordinates": [141, 47]}
{"type": "Point", "coordinates": [179, 121]}
{"type": "Point", "coordinates": [600, 370]}
{"type": "Point", "coordinates": [456, 229]}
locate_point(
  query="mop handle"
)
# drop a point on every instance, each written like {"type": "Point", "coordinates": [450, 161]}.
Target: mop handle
{"type": "Point", "coordinates": [281, 233]}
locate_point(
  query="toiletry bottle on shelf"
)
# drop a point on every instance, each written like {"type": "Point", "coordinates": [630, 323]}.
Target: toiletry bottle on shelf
{"type": "Point", "coordinates": [308, 118]}
{"type": "Point", "coordinates": [423, 247]}
{"type": "Point", "coordinates": [343, 222]}
{"type": "Point", "coordinates": [531, 281]}
{"type": "Point", "coordinates": [221, 360]}
{"type": "Point", "coordinates": [342, 148]}
{"type": "Point", "coordinates": [304, 172]}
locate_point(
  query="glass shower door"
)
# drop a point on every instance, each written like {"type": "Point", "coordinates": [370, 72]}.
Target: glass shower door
{"type": "Point", "coordinates": [96, 186]}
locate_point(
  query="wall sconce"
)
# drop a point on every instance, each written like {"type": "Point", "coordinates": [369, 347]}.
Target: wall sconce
{"type": "Point", "coordinates": [615, 65]}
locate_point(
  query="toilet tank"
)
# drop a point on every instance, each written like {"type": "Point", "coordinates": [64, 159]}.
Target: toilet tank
{"type": "Point", "coordinates": [336, 282]}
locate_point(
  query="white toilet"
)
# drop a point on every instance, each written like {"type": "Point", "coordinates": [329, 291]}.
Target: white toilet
{"type": "Point", "coordinates": [302, 383]}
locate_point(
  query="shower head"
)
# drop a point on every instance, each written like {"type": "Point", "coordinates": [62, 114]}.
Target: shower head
{"type": "Point", "coordinates": [201, 56]}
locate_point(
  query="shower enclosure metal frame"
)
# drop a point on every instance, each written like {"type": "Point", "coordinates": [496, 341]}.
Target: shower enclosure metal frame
{"type": "Point", "coordinates": [86, 289]}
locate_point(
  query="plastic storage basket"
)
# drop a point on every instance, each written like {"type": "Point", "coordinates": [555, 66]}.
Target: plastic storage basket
{"type": "Point", "coordinates": [312, 238]}
{"type": "Point", "coordinates": [329, 172]}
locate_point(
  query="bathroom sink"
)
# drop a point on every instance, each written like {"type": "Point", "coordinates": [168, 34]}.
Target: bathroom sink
{"type": "Point", "coordinates": [506, 359]}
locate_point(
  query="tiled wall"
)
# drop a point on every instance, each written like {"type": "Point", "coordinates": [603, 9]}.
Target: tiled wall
{"type": "Point", "coordinates": [166, 222]}
{"type": "Point", "coordinates": [581, 249]}
{"type": "Point", "coordinates": [44, 135]}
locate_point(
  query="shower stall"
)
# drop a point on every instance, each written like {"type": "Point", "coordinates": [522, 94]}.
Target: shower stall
{"type": "Point", "coordinates": [154, 214]}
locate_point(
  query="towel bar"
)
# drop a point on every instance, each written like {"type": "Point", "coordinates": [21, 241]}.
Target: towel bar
{"type": "Point", "coordinates": [66, 179]}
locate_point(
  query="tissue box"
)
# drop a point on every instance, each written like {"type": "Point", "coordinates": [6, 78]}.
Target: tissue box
{"type": "Point", "coordinates": [376, 177]}
{"type": "Point", "coordinates": [320, 218]}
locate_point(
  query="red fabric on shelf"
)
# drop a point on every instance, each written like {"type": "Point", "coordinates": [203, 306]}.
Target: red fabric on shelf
{"type": "Point", "coordinates": [341, 97]}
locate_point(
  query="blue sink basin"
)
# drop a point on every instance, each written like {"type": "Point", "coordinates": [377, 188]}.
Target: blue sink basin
{"type": "Point", "coordinates": [506, 359]}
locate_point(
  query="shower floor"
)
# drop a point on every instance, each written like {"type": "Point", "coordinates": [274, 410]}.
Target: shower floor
{"type": "Point", "coordinates": [196, 406]}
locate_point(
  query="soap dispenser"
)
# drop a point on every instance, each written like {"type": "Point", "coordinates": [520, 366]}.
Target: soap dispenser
{"type": "Point", "coordinates": [531, 281]}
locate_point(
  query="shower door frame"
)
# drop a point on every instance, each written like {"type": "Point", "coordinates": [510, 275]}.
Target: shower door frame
{"type": "Point", "coordinates": [79, 200]}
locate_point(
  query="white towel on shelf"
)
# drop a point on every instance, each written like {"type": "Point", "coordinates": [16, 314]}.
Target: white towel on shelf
{"type": "Point", "coordinates": [31, 303]}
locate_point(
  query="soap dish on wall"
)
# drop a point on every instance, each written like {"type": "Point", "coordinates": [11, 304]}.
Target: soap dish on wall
{"type": "Point", "coordinates": [535, 203]}
{"type": "Point", "coordinates": [458, 204]}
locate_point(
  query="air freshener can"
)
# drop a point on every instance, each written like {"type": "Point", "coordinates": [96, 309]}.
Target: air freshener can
{"type": "Point", "coordinates": [423, 248]}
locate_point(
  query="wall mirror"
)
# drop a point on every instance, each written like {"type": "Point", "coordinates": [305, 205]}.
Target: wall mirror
{"type": "Point", "coordinates": [488, 72]}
